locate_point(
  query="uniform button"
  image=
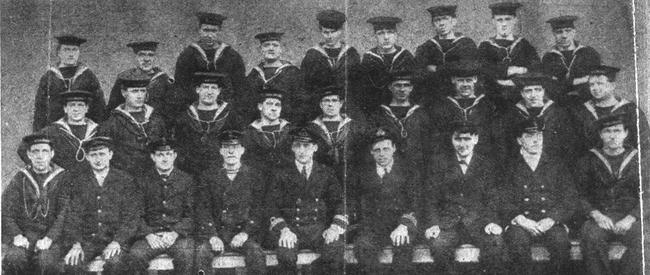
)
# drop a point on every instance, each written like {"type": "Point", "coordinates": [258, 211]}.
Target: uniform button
{"type": "Point", "coordinates": [526, 199]}
{"type": "Point", "coordinates": [224, 211]}
{"type": "Point", "coordinates": [542, 186]}
{"type": "Point", "coordinates": [526, 212]}
{"type": "Point", "coordinates": [99, 211]}
{"type": "Point", "coordinates": [316, 199]}
{"type": "Point", "coordinates": [165, 187]}
{"type": "Point", "coordinates": [297, 209]}
{"type": "Point", "coordinates": [315, 209]}
{"type": "Point", "coordinates": [543, 198]}
{"type": "Point", "coordinates": [525, 186]}
{"type": "Point", "coordinates": [163, 215]}
{"type": "Point", "coordinates": [462, 195]}
{"type": "Point", "coordinates": [209, 224]}
{"type": "Point", "coordinates": [99, 224]}
{"type": "Point", "coordinates": [543, 211]}
{"type": "Point", "coordinates": [99, 197]}
{"type": "Point", "coordinates": [93, 234]}
{"type": "Point", "coordinates": [164, 202]}
{"type": "Point", "coordinates": [297, 218]}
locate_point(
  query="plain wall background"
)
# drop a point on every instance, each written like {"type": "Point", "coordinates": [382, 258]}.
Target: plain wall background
{"type": "Point", "coordinates": [606, 25]}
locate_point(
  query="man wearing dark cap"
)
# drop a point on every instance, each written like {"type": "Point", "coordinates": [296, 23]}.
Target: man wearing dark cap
{"type": "Point", "coordinates": [608, 180]}
{"type": "Point", "coordinates": [198, 128]}
{"type": "Point", "coordinates": [161, 95]}
{"type": "Point", "coordinates": [379, 62]}
{"type": "Point", "coordinates": [560, 138]}
{"type": "Point", "coordinates": [505, 55]}
{"type": "Point", "coordinates": [306, 208]}
{"type": "Point", "coordinates": [131, 125]}
{"type": "Point", "coordinates": [230, 208]}
{"type": "Point", "coordinates": [435, 55]}
{"type": "Point", "coordinates": [166, 222]}
{"type": "Point", "coordinates": [569, 62]}
{"type": "Point", "coordinates": [384, 194]}
{"type": "Point", "coordinates": [460, 202]}
{"type": "Point", "coordinates": [408, 120]}
{"type": "Point", "coordinates": [332, 61]}
{"type": "Point", "coordinates": [211, 54]}
{"type": "Point", "coordinates": [537, 200]}
{"type": "Point", "coordinates": [605, 100]}
{"type": "Point", "coordinates": [68, 133]}
{"type": "Point", "coordinates": [465, 103]}
{"type": "Point", "coordinates": [69, 74]}
{"type": "Point", "coordinates": [35, 205]}
{"type": "Point", "coordinates": [276, 73]}
{"type": "Point", "coordinates": [104, 211]}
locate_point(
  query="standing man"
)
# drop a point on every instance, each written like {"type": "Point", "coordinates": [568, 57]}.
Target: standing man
{"type": "Point", "coordinates": [210, 54]}
{"type": "Point", "coordinates": [460, 203]}
{"type": "Point", "coordinates": [230, 208]}
{"type": "Point", "coordinates": [104, 212]}
{"type": "Point", "coordinates": [35, 205]}
{"type": "Point", "coordinates": [131, 125]}
{"type": "Point", "coordinates": [433, 57]}
{"type": "Point", "coordinates": [166, 222]}
{"type": "Point", "coordinates": [69, 74]}
{"type": "Point", "coordinates": [608, 178]}
{"type": "Point", "coordinates": [505, 55]}
{"type": "Point", "coordinates": [569, 62]}
{"type": "Point", "coordinates": [385, 196]}
{"type": "Point", "coordinates": [161, 94]}
{"type": "Point", "coordinates": [537, 201]}
{"type": "Point", "coordinates": [379, 62]}
{"type": "Point", "coordinates": [276, 73]}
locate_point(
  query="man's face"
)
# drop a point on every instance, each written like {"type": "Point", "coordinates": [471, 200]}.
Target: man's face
{"type": "Point", "coordinates": [146, 60]}
{"type": "Point", "coordinates": [531, 142]}
{"type": "Point", "coordinates": [443, 24]}
{"type": "Point", "coordinates": [303, 151]}
{"type": "Point", "coordinates": [331, 36]}
{"type": "Point", "coordinates": [209, 35]}
{"type": "Point", "coordinates": [135, 97]}
{"type": "Point", "coordinates": [600, 87]}
{"type": "Point", "coordinates": [613, 137]}
{"type": "Point", "coordinates": [331, 105]}
{"type": "Point", "coordinates": [164, 160]}
{"type": "Point", "coordinates": [464, 86]}
{"type": "Point", "coordinates": [564, 36]}
{"type": "Point", "coordinates": [533, 96]}
{"type": "Point", "coordinates": [231, 153]}
{"type": "Point", "coordinates": [208, 93]}
{"type": "Point", "coordinates": [99, 159]}
{"type": "Point", "coordinates": [75, 110]}
{"type": "Point", "coordinates": [464, 143]}
{"type": "Point", "coordinates": [382, 152]}
{"type": "Point", "coordinates": [271, 50]}
{"type": "Point", "coordinates": [386, 38]}
{"type": "Point", "coordinates": [40, 155]}
{"type": "Point", "coordinates": [69, 55]}
{"type": "Point", "coordinates": [401, 89]}
{"type": "Point", "coordinates": [504, 24]}
{"type": "Point", "coordinates": [270, 108]}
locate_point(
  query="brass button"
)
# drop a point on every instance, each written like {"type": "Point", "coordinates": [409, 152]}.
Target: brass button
{"type": "Point", "coordinates": [543, 211]}
{"type": "Point", "coordinates": [99, 211]}
{"type": "Point", "coordinates": [526, 199]}
{"type": "Point", "coordinates": [543, 198]}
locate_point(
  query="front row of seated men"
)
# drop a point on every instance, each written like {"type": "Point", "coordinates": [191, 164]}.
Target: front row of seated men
{"type": "Point", "coordinates": [56, 221]}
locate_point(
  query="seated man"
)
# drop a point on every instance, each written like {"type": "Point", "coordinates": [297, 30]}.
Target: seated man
{"type": "Point", "coordinates": [34, 207]}
{"type": "Point", "coordinates": [538, 200]}
{"type": "Point", "coordinates": [386, 199]}
{"type": "Point", "coordinates": [166, 223]}
{"type": "Point", "coordinates": [460, 204]}
{"type": "Point", "coordinates": [104, 211]}
{"type": "Point", "coordinates": [304, 198]}
{"type": "Point", "coordinates": [229, 208]}
{"type": "Point", "coordinates": [608, 178]}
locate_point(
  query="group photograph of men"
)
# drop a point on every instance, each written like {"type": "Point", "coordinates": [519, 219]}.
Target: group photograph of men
{"type": "Point", "coordinates": [493, 141]}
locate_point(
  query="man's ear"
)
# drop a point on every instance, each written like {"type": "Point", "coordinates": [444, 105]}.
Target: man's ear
{"type": "Point", "coordinates": [259, 107]}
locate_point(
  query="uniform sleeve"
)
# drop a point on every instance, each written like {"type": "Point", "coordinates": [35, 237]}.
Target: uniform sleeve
{"type": "Point", "coordinates": [97, 110]}
{"type": "Point", "coordinates": [273, 205]}
{"type": "Point", "coordinates": [63, 198]}
{"type": "Point", "coordinates": [644, 130]}
{"type": "Point", "coordinates": [591, 59]}
{"type": "Point", "coordinates": [489, 68]}
{"type": "Point", "coordinates": [183, 75]}
{"type": "Point", "coordinates": [432, 197]}
{"type": "Point", "coordinates": [204, 209]}
{"type": "Point", "coordinates": [584, 181]}
{"type": "Point", "coordinates": [335, 201]}
{"type": "Point", "coordinates": [73, 224]}
{"type": "Point", "coordinates": [257, 216]}
{"type": "Point", "coordinates": [115, 98]}
{"type": "Point", "coordinates": [132, 207]}
{"type": "Point", "coordinates": [466, 50]}
{"type": "Point", "coordinates": [409, 198]}
{"type": "Point", "coordinates": [564, 210]}
{"type": "Point", "coordinates": [10, 207]}
{"type": "Point", "coordinates": [185, 226]}
{"type": "Point", "coordinates": [41, 103]}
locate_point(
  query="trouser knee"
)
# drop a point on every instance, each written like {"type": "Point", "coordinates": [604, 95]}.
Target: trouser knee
{"type": "Point", "coordinates": [15, 259]}
{"type": "Point", "coordinates": [287, 256]}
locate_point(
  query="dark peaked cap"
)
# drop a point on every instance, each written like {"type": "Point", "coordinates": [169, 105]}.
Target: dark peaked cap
{"type": "Point", "coordinates": [384, 22]}
{"type": "Point", "coordinates": [561, 22]}
{"type": "Point", "coordinates": [331, 19]}
{"type": "Point", "coordinates": [269, 36]}
{"type": "Point", "coordinates": [70, 40]}
{"type": "Point", "coordinates": [143, 46]}
{"type": "Point", "coordinates": [210, 18]}
{"type": "Point", "coordinates": [505, 8]}
{"type": "Point", "coordinates": [444, 10]}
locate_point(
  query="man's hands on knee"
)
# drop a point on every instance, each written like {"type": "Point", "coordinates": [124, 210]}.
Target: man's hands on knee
{"type": "Point", "coordinates": [21, 241]}
{"type": "Point", "coordinates": [493, 229]}
{"type": "Point", "coordinates": [622, 226]}
{"type": "Point", "coordinates": [545, 224]}
{"type": "Point", "coordinates": [602, 220]}
{"type": "Point", "coordinates": [432, 232]}
{"type": "Point", "coordinates": [154, 241]}
{"type": "Point", "coordinates": [400, 236]}
{"type": "Point", "coordinates": [75, 256]}
{"type": "Point", "coordinates": [216, 243]}
{"type": "Point", "coordinates": [111, 250]}
{"type": "Point", "coordinates": [169, 238]}
{"type": "Point", "coordinates": [332, 233]}
{"type": "Point", "coordinates": [527, 224]}
{"type": "Point", "coordinates": [288, 239]}
{"type": "Point", "coordinates": [239, 240]}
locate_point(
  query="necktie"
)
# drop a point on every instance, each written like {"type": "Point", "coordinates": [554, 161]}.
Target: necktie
{"type": "Point", "coordinates": [304, 172]}
{"type": "Point", "coordinates": [164, 177]}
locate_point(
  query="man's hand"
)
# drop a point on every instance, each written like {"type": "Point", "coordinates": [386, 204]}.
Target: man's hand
{"type": "Point", "coordinates": [528, 224]}
{"type": "Point", "coordinates": [239, 239]}
{"type": "Point", "coordinates": [154, 241]}
{"type": "Point", "coordinates": [400, 236]}
{"type": "Point", "coordinates": [75, 256]}
{"type": "Point", "coordinates": [432, 68]}
{"type": "Point", "coordinates": [545, 224]}
{"type": "Point", "coordinates": [603, 221]}
{"type": "Point", "coordinates": [493, 229]}
{"type": "Point", "coordinates": [21, 241]}
{"type": "Point", "coordinates": [622, 226]}
{"type": "Point", "coordinates": [44, 243]}
{"type": "Point", "coordinates": [217, 244]}
{"type": "Point", "coordinates": [169, 238]}
{"type": "Point", "coordinates": [516, 70]}
{"type": "Point", "coordinates": [332, 233]}
{"type": "Point", "coordinates": [288, 239]}
{"type": "Point", "coordinates": [581, 80]}
{"type": "Point", "coordinates": [432, 232]}
{"type": "Point", "coordinates": [111, 250]}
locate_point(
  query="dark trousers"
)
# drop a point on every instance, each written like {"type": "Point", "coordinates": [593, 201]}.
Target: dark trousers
{"type": "Point", "coordinates": [369, 245]}
{"type": "Point", "coordinates": [595, 249]}
{"type": "Point", "coordinates": [492, 255]}
{"type": "Point", "coordinates": [117, 265]}
{"type": "Point", "coordinates": [556, 240]}
{"type": "Point", "coordinates": [310, 237]}
{"type": "Point", "coordinates": [19, 261]}
{"type": "Point", "coordinates": [254, 256]}
{"type": "Point", "coordinates": [182, 253]}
